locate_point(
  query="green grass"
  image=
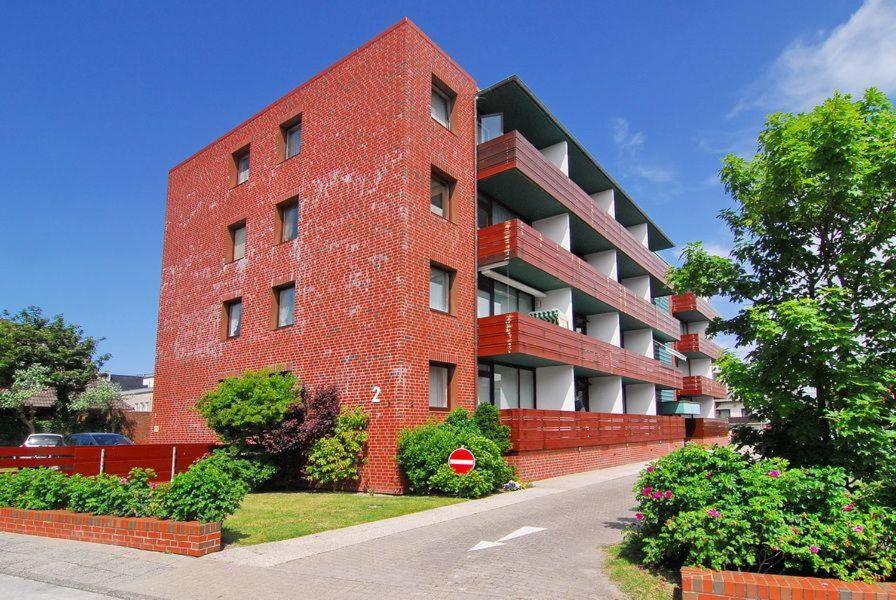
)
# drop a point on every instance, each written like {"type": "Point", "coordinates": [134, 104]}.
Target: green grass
{"type": "Point", "coordinates": [269, 517]}
{"type": "Point", "coordinates": [637, 582]}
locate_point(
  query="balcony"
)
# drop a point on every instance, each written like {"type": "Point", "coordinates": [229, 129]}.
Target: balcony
{"type": "Point", "coordinates": [697, 429]}
{"type": "Point", "coordinates": [694, 345]}
{"type": "Point", "coordinates": [689, 307]}
{"type": "Point", "coordinates": [679, 407]}
{"type": "Point", "coordinates": [515, 172]}
{"type": "Point", "coordinates": [697, 385]}
{"type": "Point", "coordinates": [529, 342]}
{"type": "Point", "coordinates": [529, 257]}
{"type": "Point", "coordinates": [532, 429]}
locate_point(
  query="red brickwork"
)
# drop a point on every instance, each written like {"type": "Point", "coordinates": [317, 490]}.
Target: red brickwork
{"type": "Point", "coordinates": [702, 584]}
{"type": "Point", "coordinates": [711, 441]}
{"type": "Point", "coordinates": [189, 538]}
{"type": "Point", "coordinates": [541, 464]}
{"type": "Point", "coordinates": [361, 261]}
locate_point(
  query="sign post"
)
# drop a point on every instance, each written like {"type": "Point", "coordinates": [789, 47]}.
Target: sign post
{"type": "Point", "coordinates": [461, 461]}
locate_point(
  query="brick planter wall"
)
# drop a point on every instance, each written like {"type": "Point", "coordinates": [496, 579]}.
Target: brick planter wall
{"type": "Point", "coordinates": [710, 441]}
{"type": "Point", "coordinates": [190, 538]}
{"type": "Point", "coordinates": [703, 584]}
{"type": "Point", "coordinates": [540, 464]}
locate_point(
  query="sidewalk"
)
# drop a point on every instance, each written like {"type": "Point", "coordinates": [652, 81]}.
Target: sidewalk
{"type": "Point", "coordinates": [421, 555]}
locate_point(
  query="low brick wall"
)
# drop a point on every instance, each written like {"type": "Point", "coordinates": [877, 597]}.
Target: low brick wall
{"type": "Point", "coordinates": [703, 584]}
{"type": "Point", "coordinates": [190, 538]}
{"type": "Point", "coordinates": [533, 465]}
{"type": "Point", "coordinates": [710, 441]}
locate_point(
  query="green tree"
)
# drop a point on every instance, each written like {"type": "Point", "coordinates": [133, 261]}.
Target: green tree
{"type": "Point", "coordinates": [104, 398]}
{"type": "Point", "coordinates": [25, 384]}
{"type": "Point", "coordinates": [813, 267]}
{"type": "Point", "coordinates": [28, 338]}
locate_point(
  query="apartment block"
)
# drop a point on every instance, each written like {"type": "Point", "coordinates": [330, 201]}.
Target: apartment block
{"type": "Point", "coordinates": [304, 240]}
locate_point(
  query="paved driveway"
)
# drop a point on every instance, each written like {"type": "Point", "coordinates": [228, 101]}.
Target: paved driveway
{"type": "Point", "coordinates": [546, 545]}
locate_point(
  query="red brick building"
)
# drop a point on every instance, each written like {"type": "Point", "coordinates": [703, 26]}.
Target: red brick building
{"type": "Point", "coordinates": [305, 240]}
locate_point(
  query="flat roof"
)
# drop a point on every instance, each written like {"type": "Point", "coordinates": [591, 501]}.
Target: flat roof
{"type": "Point", "coordinates": [524, 112]}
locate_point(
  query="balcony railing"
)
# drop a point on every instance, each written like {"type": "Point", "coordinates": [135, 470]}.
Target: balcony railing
{"type": "Point", "coordinates": [697, 385]}
{"type": "Point", "coordinates": [513, 151]}
{"type": "Point", "coordinates": [551, 429]}
{"type": "Point", "coordinates": [690, 307]}
{"type": "Point", "coordinates": [706, 428]}
{"type": "Point", "coordinates": [515, 240]}
{"type": "Point", "coordinates": [694, 344]}
{"type": "Point", "coordinates": [516, 333]}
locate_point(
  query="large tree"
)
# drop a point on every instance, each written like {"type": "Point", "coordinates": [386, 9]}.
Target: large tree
{"type": "Point", "coordinates": [60, 351]}
{"type": "Point", "coordinates": [813, 268]}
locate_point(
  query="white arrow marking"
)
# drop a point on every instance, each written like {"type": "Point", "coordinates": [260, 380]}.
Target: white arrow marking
{"type": "Point", "coordinates": [521, 532]}
{"type": "Point", "coordinates": [483, 545]}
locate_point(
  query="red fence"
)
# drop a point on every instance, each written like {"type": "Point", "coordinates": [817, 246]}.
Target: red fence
{"type": "Point", "coordinates": [707, 428]}
{"type": "Point", "coordinates": [550, 429]}
{"type": "Point", "coordinates": [164, 459]}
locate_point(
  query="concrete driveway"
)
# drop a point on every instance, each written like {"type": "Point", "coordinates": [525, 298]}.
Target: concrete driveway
{"type": "Point", "coordinates": [539, 543]}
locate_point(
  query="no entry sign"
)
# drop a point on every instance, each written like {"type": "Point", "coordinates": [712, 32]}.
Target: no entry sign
{"type": "Point", "coordinates": [461, 461]}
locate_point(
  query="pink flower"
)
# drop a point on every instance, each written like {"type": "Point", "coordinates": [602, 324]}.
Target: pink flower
{"type": "Point", "coordinates": [646, 491]}
{"type": "Point", "coordinates": [668, 494]}
{"type": "Point", "coordinates": [650, 469]}
{"type": "Point", "coordinates": [657, 494]}
{"type": "Point", "coordinates": [774, 473]}
{"type": "Point", "coordinates": [639, 517]}
{"type": "Point", "coordinates": [708, 475]}
{"type": "Point", "coordinates": [123, 480]}
{"type": "Point", "coordinates": [814, 549]}
{"type": "Point", "coordinates": [714, 513]}
{"type": "Point", "coordinates": [849, 507]}
{"type": "Point", "coordinates": [858, 528]}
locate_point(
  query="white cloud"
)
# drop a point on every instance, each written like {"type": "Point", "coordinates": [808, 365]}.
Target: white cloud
{"type": "Point", "coordinates": [856, 55]}
{"type": "Point", "coordinates": [717, 249]}
{"type": "Point", "coordinates": [661, 179]}
{"type": "Point", "coordinates": [653, 173]}
{"type": "Point", "coordinates": [624, 138]}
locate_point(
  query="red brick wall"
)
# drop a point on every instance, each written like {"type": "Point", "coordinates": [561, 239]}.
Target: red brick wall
{"type": "Point", "coordinates": [702, 584]}
{"type": "Point", "coordinates": [541, 464]}
{"type": "Point", "coordinates": [360, 263]}
{"type": "Point", "coordinates": [136, 426]}
{"type": "Point", "coordinates": [190, 538]}
{"type": "Point", "coordinates": [710, 441]}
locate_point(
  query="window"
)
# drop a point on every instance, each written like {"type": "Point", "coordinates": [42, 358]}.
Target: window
{"type": "Point", "coordinates": [488, 127]}
{"type": "Point", "coordinates": [514, 387]}
{"type": "Point", "coordinates": [442, 103]}
{"type": "Point", "coordinates": [491, 212]}
{"type": "Point", "coordinates": [484, 384]}
{"type": "Point", "coordinates": [439, 196]}
{"type": "Point", "coordinates": [440, 385]}
{"type": "Point", "coordinates": [241, 159]}
{"type": "Point", "coordinates": [286, 303]}
{"type": "Point", "coordinates": [723, 413]}
{"type": "Point", "coordinates": [439, 289]}
{"type": "Point", "coordinates": [292, 137]}
{"type": "Point", "coordinates": [289, 220]}
{"type": "Point", "coordinates": [238, 241]}
{"type": "Point", "coordinates": [496, 298]}
{"type": "Point", "coordinates": [233, 313]}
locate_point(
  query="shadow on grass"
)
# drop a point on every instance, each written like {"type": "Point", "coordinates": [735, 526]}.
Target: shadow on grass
{"type": "Point", "coordinates": [640, 582]}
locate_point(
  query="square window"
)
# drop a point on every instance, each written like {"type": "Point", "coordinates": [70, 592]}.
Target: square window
{"type": "Point", "coordinates": [439, 289]}
{"type": "Point", "coordinates": [241, 159]}
{"type": "Point", "coordinates": [289, 220]}
{"type": "Point", "coordinates": [441, 103]}
{"type": "Point", "coordinates": [233, 313]}
{"type": "Point", "coordinates": [292, 137]}
{"type": "Point", "coordinates": [238, 241]}
{"type": "Point", "coordinates": [286, 304]}
{"type": "Point", "coordinates": [440, 385]}
{"type": "Point", "coordinates": [439, 196]}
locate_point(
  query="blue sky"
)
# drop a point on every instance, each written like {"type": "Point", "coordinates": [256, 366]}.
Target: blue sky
{"type": "Point", "coordinates": [99, 100]}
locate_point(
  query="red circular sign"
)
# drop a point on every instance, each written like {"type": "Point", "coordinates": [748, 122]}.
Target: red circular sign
{"type": "Point", "coordinates": [461, 461]}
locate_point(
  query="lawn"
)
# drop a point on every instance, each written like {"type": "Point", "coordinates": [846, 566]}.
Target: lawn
{"type": "Point", "coordinates": [637, 582]}
{"type": "Point", "coordinates": [269, 517]}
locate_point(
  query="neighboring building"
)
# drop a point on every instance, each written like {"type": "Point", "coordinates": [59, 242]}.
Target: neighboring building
{"type": "Point", "coordinates": [304, 240]}
{"type": "Point", "coordinates": [136, 391]}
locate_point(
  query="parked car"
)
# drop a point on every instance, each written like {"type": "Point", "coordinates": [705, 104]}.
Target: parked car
{"type": "Point", "coordinates": [43, 440]}
{"type": "Point", "coordinates": [97, 439]}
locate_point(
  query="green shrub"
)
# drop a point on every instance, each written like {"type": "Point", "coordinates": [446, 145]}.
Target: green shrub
{"type": "Point", "coordinates": [715, 508]}
{"type": "Point", "coordinates": [488, 419]}
{"type": "Point", "coordinates": [35, 489]}
{"type": "Point", "coordinates": [206, 492]}
{"type": "Point", "coordinates": [423, 456]}
{"type": "Point", "coordinates": [338, 457]}
{"type": "Point", "coordinates": [250, 471]}
{"type": "Point", "coordinates": [242, 409]}
{"type": "Point", "coordinates": [131, 496]}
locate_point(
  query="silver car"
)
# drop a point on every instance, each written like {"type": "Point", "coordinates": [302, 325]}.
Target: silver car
{"type": "Point", "coordinates": [43, 440]}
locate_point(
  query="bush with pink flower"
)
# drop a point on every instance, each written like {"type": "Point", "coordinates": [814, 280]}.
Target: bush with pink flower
{"type": "Point", "coordinates": [716, 508]}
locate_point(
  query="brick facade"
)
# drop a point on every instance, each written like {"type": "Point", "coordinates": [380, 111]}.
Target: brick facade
{"type": "Point", "coordinates": [190, 538]}
{"type": "Point", "coordinates": [703, 584]}
{"type": "Point", "coordinates": [361, 261]}
{"type": "Point", "coordinates": [541, 464]}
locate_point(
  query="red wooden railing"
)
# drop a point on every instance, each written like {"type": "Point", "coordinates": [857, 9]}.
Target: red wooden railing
{"type": "Point", "coordinates": [550, 429]}
{"type": "Point", "coordinates": [706, 428]}
{"type": "Point", "coordinates": [165, 459]}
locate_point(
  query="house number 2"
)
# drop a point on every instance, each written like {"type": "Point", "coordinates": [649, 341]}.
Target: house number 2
{"type": "Point", "coordinates": [376, 393]}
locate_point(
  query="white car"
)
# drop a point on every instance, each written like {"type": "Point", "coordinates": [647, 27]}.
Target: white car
{"type": "Point", "coordinates": [43, 440]}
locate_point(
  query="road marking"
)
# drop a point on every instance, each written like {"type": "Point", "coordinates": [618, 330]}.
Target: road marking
{"type": "Point", "coordinates": [518, 533]}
